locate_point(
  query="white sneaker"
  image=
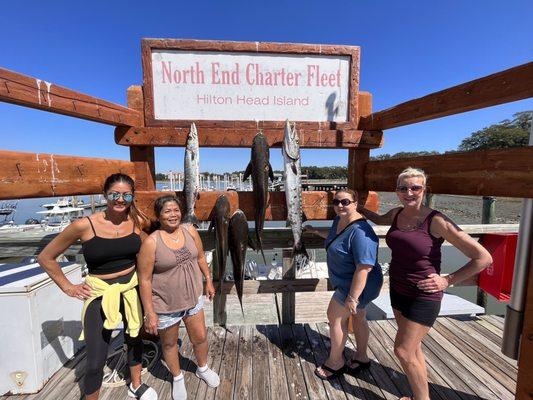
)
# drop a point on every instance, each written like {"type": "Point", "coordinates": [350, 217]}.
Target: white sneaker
{"type": "Point", "coordinates": [209, 376]}
{"type": "Point", "coordinates": [143, 392]}
{"type": "Point", "coordinates": [179, 392]}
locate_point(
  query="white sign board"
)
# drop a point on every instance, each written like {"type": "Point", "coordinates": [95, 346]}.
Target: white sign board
{"type": "Point", "coordinates": [202, 85]}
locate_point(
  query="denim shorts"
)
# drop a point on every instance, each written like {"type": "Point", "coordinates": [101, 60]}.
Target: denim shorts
{"type": "Point", "coordinates": [370, 292]}
{"type": "Point", "coordinates": [167, 320]}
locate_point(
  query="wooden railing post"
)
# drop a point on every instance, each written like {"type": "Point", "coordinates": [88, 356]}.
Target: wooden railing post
{"type": "Point", "coordinates": [288, 299]}
{"type": "Point", "coordinates": [487, 217]}
{"type": "Point", "coordinates": [142, 156]}
{"type": "Point", "coordinates": [358, 158]}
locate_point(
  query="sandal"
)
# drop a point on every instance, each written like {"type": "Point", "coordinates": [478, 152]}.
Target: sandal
{"type": "Point", "coordinates": [334, 373]}
{"type": "Point", "coordinates": [361, 366]}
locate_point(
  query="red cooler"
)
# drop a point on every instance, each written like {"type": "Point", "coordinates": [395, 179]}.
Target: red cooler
{"type": "Point", "coordinates": [497, 279]}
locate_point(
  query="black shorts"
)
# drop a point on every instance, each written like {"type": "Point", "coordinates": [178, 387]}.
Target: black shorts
{"type": "Point", "coordinates": [421, 311]}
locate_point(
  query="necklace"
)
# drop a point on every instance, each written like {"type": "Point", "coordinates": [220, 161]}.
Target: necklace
{"type": "Point", "coordinates": [174, 240]}
{"type": "Point", "coordinates": [115, 227]}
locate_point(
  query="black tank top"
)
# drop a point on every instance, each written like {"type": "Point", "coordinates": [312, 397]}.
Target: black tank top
{"type": "Point", "coordinates": [107, 256]}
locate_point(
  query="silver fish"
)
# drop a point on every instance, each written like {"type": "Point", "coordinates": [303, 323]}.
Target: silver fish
{"type": "Point", "coordinates": [260, 170]}
{"type": "Point", "coordinates": [191, 184]}
{"type": "Point", "coordinates": [293, 192]}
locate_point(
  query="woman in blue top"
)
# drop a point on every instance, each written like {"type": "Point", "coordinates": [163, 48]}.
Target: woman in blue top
{"type": "Point", "coordinates": [354, 272]}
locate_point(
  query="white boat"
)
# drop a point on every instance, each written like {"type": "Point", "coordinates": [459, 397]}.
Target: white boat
{"type": "Point", "coordinates": [55, 220]}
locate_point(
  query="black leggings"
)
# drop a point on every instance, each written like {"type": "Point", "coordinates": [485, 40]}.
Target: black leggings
{"type": "Point", "coordinates": [97, 340]}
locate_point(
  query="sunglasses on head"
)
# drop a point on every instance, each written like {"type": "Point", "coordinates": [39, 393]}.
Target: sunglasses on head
{"type": "Point", "coordinates": [414, 188]}
{"type": "Point", "coordinates": [114, 196]}
{"type": "Point", "coordinates": [344, 202]}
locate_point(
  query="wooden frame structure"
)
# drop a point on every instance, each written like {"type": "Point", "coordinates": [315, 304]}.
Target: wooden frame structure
{"type": "Point", "coordinates": [483, 172]}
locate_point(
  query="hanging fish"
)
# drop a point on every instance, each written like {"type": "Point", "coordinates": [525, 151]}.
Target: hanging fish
{"type": "Point", "coordinates": [260, 170]}
{"type": "Point", "coordinates": [293, 193]}
{"type": "Point", "coordinates": [191, 184]}
{"type": "Point", "coordinates": [220, 222]}
{"type": "Point", "coordinates": [238, 243]}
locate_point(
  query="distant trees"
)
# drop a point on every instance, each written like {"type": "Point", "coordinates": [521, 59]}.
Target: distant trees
{"type": "Point", "coordinates": [508, 133]}
{"type": "Point", "coordinates": [160, 177]}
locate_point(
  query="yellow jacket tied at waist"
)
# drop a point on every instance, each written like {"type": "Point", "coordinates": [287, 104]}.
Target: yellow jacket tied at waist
{"type": "Point", "coordinates": [111, 295]}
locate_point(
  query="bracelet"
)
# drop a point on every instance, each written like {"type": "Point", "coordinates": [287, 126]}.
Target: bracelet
{"type": "Point", "coordinates": [353, 299]}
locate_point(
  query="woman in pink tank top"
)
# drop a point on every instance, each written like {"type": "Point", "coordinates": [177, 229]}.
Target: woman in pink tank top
{"type": "Point", "coordinates": [416, 286]}
{"type": "Point", "coordinates": [170, 266]}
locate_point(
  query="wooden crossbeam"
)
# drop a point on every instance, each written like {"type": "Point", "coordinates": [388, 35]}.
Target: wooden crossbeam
{"type": "Point", "coordinates": [506, 172]}
{"type": "Point", "coordinates": [278, 286]}
{"type": "Point", "coordinates": [225, 137]}
{"type": "Point", "coordinates": [36, 93]}
{"type": "Point", "coordinates": [25, 175]}
{"type": "Point", "coordinates": [503, 87]}
{"type": "Point", "coordinates": [316, 205]}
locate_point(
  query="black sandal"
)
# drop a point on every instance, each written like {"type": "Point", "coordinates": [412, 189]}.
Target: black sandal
{"type": "Point", "coordinates": [334, 372]}
{"type": "Point", "coordinates": [361, 366]}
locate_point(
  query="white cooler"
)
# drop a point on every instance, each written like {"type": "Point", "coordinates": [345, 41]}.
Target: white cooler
{"type": "Point", "coordinates": [39, 327]}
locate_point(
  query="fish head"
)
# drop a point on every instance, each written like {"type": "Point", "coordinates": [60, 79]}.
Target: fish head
{"type": "Point", "coordinates": [291, 142]}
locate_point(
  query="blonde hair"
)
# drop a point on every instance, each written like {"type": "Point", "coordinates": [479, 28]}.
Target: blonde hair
{"type": "Point", "coordinates": [411, 172]}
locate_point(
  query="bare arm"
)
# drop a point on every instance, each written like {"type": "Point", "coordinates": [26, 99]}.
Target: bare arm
{"type": "Point", "coordinates": [202, 263]}
{"type": "Point", "coordinates": [385, 219]}
{"type": "Point", "coordinates": [47, 259]}
{"type": "Point", "coordinates": [145, 270]}
{"type": "Point", "coordinates": [480, 258]}
{"type": "Point", "coordinates": [358, 284]}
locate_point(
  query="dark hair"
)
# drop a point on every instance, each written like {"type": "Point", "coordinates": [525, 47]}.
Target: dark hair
{"type": "Point", "coordinates": [350, 192]}
{"type": "Point", "coordinates": [161, 201]}
{"type": "Point", "coordinates": [138, 217]}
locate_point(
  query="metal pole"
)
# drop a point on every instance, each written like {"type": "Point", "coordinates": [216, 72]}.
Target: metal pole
{"type": "Point", "coordinates": [514, 317]}
{"type": "Point", "coordinates": [488, 215]}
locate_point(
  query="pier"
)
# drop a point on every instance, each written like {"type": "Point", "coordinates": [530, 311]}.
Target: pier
{"type": "Point", "coordinates": [277, 362]}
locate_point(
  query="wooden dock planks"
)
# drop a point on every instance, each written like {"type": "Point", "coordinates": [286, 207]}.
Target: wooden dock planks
{"type": "Point", "coordinates": [277, 362]}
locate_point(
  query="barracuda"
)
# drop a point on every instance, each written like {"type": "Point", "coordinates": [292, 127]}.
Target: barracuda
{"type": "Point", "coordinates": [191, 184]}
{"type": "Point", "coordinates": [293, 192]}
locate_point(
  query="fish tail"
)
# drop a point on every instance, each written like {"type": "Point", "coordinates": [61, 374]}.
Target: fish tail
{"type": "Point", "coordinates": [300, 256]}
{"type": "Point", "coordinates": [191, 219]}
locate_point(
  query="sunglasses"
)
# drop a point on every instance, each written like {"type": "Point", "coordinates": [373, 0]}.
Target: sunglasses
{"type": "Point", "coordinates": [114, 196]}
{"type": "Point", "coordinates": [344, 202]}
{"type": "Point", "coordinates": [414, 188]}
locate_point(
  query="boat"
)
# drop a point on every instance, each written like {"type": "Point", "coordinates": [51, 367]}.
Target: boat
{"type": "Point", "coordinates": [54, 220]}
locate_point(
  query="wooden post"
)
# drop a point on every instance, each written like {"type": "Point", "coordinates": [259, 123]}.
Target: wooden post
{"type": "Point", "coordinates": [487, 217]}
{"type": "Point", "coordinates": [288, 299]}
{"type": "Point", "coordinates": [429, 200]}
{"type": "Point", "coordinates": [142, 156]}
{"type": "Point", "coordinates": [489, 207]}
{"type": "Point", "coordinates": [358, 158]}
{"type": "Point", "coordinates": [219, 301]}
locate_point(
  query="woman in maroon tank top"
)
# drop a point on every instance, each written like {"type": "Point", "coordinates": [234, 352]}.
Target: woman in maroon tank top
{"type": "Point", "coordinates": [416, 286]}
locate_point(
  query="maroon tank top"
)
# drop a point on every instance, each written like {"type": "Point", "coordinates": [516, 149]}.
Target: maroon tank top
{"type": "Point", "coordinates": [415, 254]}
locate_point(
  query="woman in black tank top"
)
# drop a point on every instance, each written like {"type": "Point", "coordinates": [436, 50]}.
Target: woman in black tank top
{"type": "Point", "coordinates": [110, 243]}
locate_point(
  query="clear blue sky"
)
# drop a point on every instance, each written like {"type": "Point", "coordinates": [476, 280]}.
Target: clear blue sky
{"type": "Point", "coordinates": [409, 49]}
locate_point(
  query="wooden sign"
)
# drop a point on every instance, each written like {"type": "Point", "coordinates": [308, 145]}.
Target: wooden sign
{"type": "Point", "coordinates": [241, 85]}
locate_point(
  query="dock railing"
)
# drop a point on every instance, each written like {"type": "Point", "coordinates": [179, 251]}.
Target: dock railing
{"type": "Point", "coordinates": [504, 172]}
